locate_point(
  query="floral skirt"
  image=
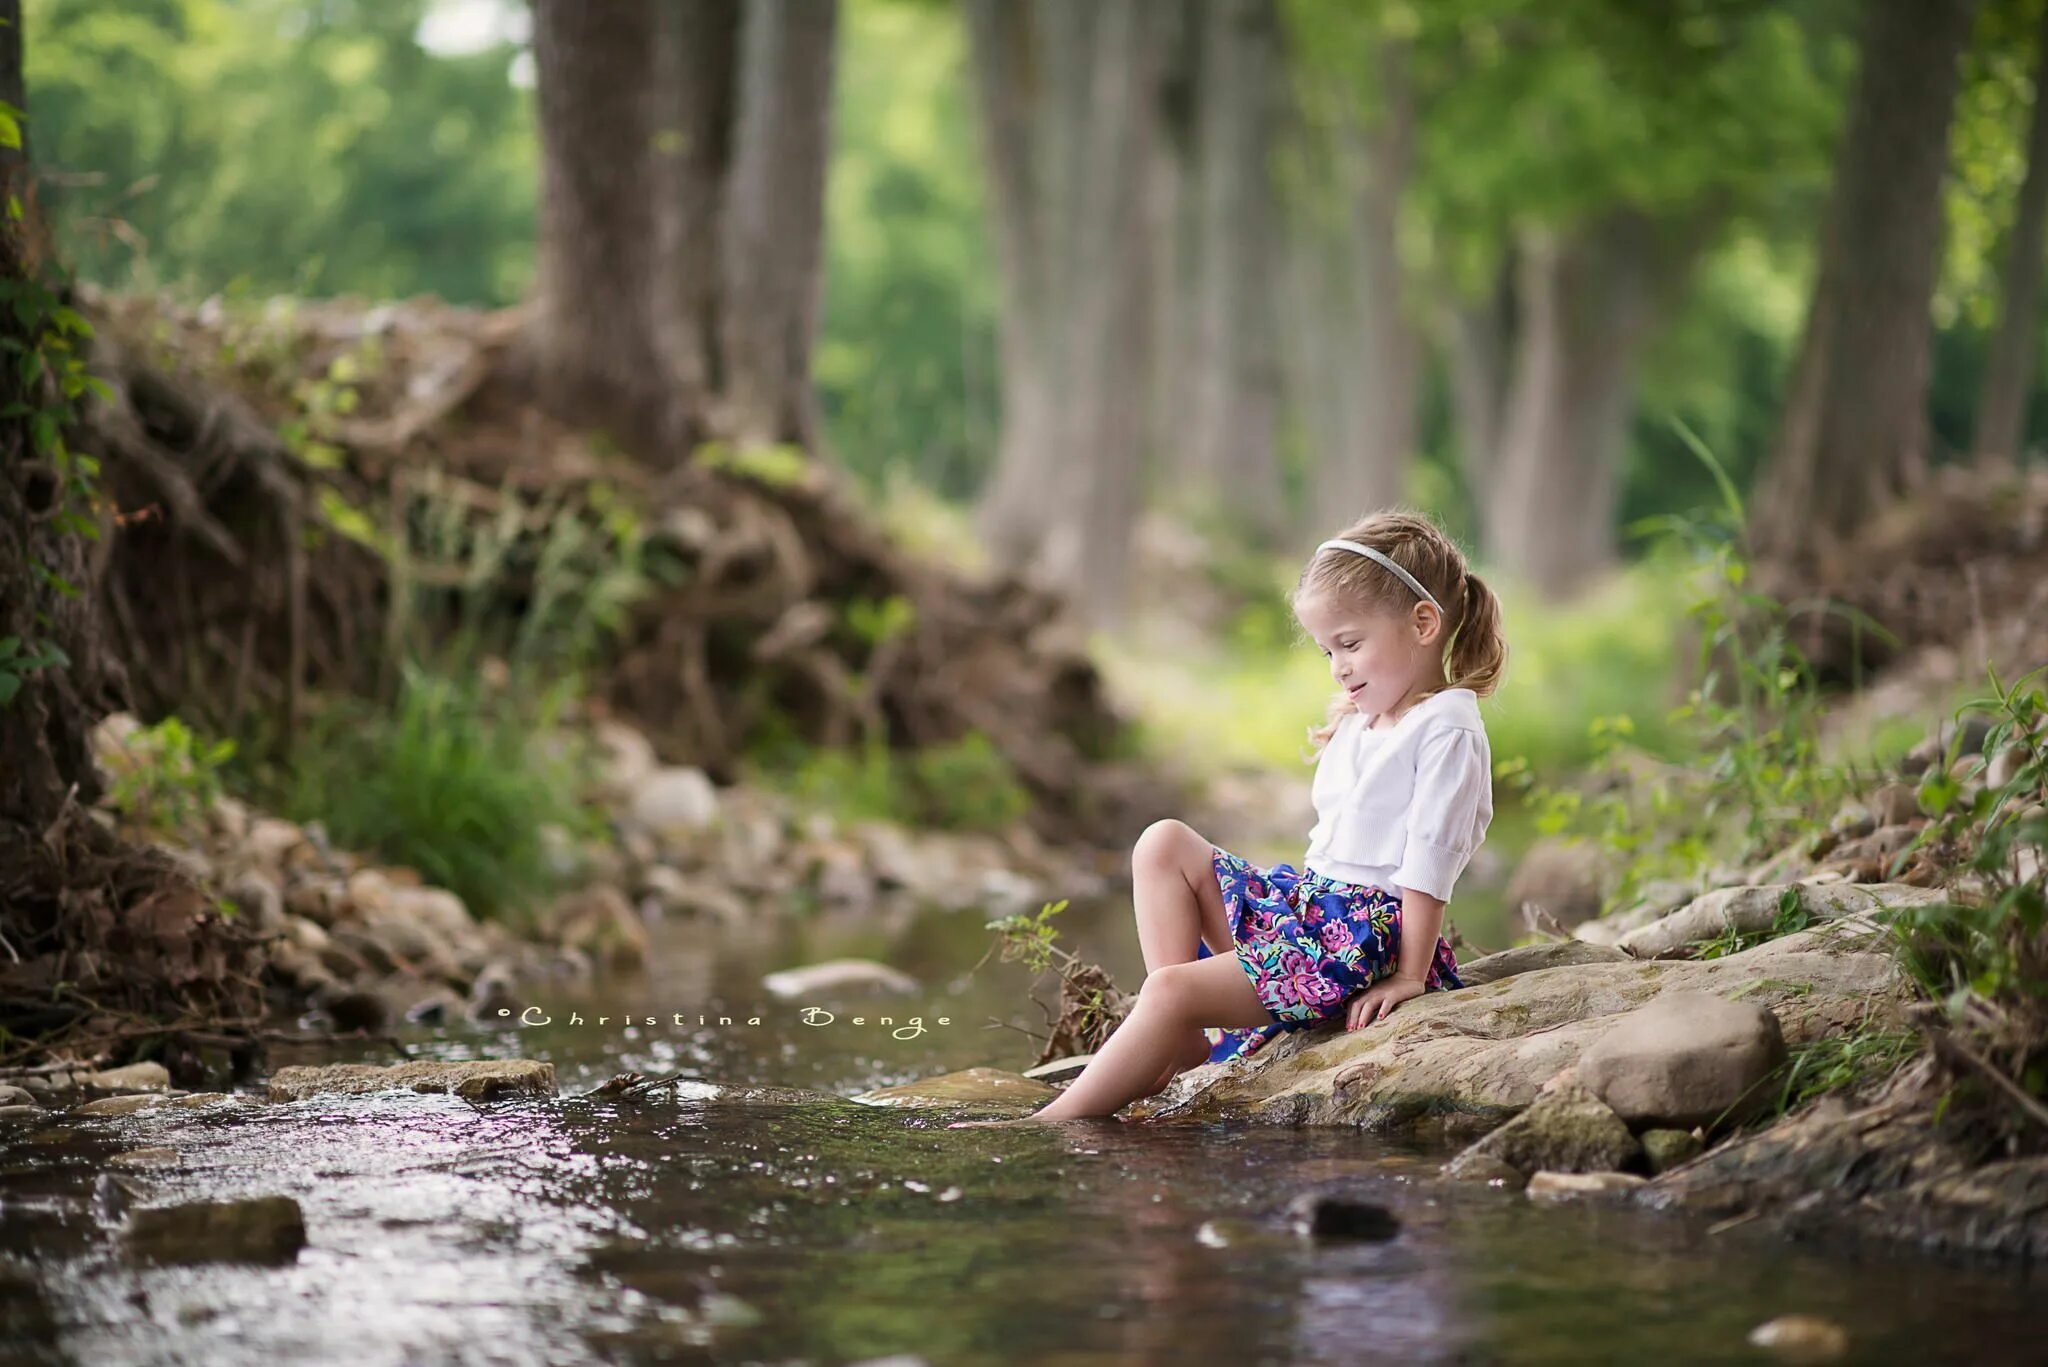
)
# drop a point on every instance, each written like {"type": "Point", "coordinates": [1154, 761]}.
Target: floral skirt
{"type": "Point", "coordinates": [1309, 944]}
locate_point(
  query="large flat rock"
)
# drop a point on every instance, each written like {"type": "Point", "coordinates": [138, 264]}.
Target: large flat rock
{"type": "Point", "coordinates": [1471, 1058]}
{"type": "Point", "coordinates": [477, 1080]}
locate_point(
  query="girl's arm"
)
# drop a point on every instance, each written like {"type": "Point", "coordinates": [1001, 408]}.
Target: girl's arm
{"type": "Point", "coordinates": [1422, 920]}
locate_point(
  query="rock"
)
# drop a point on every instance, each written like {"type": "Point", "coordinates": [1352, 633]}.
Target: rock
{"type": "Point", "coordinates": [1531, 958]}
{"type": "Point", "coordinates": [1566, 1129]}
{"type": "Point", "coordinates": [1934, 745]}
{"type": "Point", "coordinates": [304, 972]}
{"type": "Point", "coordinates": [136, 1077]}
{"type": "Point", "coordinates": [258, 902]}
{"type": "Point", "coordinates": [264, 1229]}
{"type": "Point", "coordinates": [1482, 1167]}
{"type": "Point", "coordinates": [320, 898]}
{"type": "Point", "coordinates": [1666, 1149]}
{"type": "Point", "coordinates": [21, 1112]}
{"type": "Point", "coordinates": [1333, 1215]}
{"type": "Point", "coordinates": [1656, 900]}
{"type": "Point", "coordinates": [119, 1105]}
{"type": "Point", "coordinates": [1555, 1188]}
{"type": "Point", "coordinates": [674, 801]}
{"type": "Point", "coordinates": [1060, 1069]}
{"type": "Point", "coordinates": [1557, 885]}
{"type": "Point", "coordinates": [11, 1095]}
{"type": "Point", "coordinates": [435, 1008]}
{"type": "Point", "coordinates": [600, 922]}
{"type": "Point", "coordinates": [1689, 1058]}
{"type": "Point", "coordinates": [474, 1080]}
{"type": "Point", "coordinates": [1801, 1338]}
{"type": "Point", "coordinates": [357, 1009]}
{"type": "Point", "coordinates": [1467, 1060]}
{"type": "Point", "coordinates": [838, 975]}
{"type": "Point", "coordinates": [987, 1087]}
{"type": "Point", "coordinates": [1756, 910]}
{"type": "Point", "coordinates": [1894, 804]}
{"type": "Point", "coordinates": [491, 993]}
{"type": "Point", "coordinates": [269, 846]}
{"type": "Point", "coordinates": [157, 1157]}
{"type": "Point", "coordinates": [626, 758]}
{"type": "Point", "coordinates": [2005, 766]}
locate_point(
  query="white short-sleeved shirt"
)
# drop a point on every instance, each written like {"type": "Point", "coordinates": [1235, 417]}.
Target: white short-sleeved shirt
{"type": "Point", "coordinates": [1404, 807]}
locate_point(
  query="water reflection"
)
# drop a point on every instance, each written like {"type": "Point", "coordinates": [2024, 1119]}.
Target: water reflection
{"type": "Point", "coordinates": [759, 1225]}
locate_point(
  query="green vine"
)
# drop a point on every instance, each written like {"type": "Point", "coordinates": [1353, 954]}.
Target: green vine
{"type": "Point", "coordinates": [45, 375]}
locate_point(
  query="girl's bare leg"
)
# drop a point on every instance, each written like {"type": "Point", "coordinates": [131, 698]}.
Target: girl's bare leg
{"type": "Point", "coordinates": [1178, 906]}
{"type": "Point", "coordinates": [1177, 999]}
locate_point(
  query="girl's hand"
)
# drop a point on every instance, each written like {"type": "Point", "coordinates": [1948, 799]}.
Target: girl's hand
{"type": "Point", "coordinates": [1379, 1000]}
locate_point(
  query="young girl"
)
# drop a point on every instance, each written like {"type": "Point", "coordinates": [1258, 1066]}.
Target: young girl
{"type": "Point", "coordinates": [1403, 793]}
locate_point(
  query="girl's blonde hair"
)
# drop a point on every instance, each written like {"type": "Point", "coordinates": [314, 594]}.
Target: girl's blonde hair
{"type": "Point", "coordinates": [1475, 651]}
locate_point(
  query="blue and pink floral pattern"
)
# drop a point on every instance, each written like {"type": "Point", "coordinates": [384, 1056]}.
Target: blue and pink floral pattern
{"type": "Point", "coordinates": [1309, 944]}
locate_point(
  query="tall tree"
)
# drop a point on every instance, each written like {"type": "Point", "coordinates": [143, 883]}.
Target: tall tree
{"type": "Point", "coordinates": [1853, 433]}
{"type": "Point", "coordinates": [1068, 93]}
{"type": "Point", "coordinates": [683, 150]}
{"type": "Point", "coordinates": [1230, 426]}
{"type": "Point", "coordinates": [1352, 348]}
{"type": "Point", "coordinates": [2009, 374]}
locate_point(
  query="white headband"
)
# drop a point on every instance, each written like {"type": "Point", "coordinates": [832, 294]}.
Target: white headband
{"type": "Point", "coordinates": [1410, 580]}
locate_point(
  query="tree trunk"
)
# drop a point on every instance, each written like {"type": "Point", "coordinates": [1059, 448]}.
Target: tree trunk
{"type": "Point", "coordinates": [776, 220]}
{"type": "Point", "coordinates": [1481, 345]}
{"type": "Point", "coordinates": [1068, 95]}
{"type": "Point", "coordinates": [683, 151]}
{"type": "Point", "coordinates": [1585, 307]}
{"type": "Point", "coordinates": [1355, 354]}
{"type": "Point", "coordinates": [1229, 426]}
{"type": "Point", "coordinates": [2008, 379]}
{"type": "Point", "coordinates": [1853, 434]}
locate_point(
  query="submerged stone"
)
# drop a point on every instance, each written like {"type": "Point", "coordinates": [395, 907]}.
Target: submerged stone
{"type": "Point", "coordinates": [1568, 1129]}
{"type": "Point", "coordinates": [991, 1087]}
{"type": "Point", "coordinates": [263, 1229]}
{"type": "Point", "coordinates": [476, 1080]}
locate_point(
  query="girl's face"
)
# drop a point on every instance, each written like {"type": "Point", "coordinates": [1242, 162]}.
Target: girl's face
{"type": "Point", "coordinates": [1377, 656]}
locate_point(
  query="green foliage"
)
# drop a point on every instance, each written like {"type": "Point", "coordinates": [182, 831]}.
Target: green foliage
{"type": "Point", "coordinates": [777, 465]}
{"type": "Point", "coordinates": [965, 785]}
{"type": "Point", "coordinates": [1984, 960]}
{"type": "Point", "coordinates": [1029, 938]}
{"type": "Point", "coordinates": [167, 777]}
{"type": "Point", "coordinates": [274, 146]}
{"type": "Point", "coordinates": [1750, 774]}
{"type": "Point", "coordinates": [540, 585]}
{"type": "Point", "coordinates": [1847, 1061]}
{"type": "Point", "coordinates": [457, 780]}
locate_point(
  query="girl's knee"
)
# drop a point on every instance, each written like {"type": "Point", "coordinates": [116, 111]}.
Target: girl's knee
{"type": "Point", "coordinates": [1166, 990]}
{"type": "Point", "coordinates": [1162, 844]}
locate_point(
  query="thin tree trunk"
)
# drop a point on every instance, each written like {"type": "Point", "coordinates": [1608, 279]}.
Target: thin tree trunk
{"type": "Point", "coordinates": [1853, 434]}
{"type": "Point", "coordinates": [2008, 379]}
{"type": "Point", "coordinates": [1481, 344]}
{"type": "Point", "coordinates": [1586, 307]}
{"type": "Point", "coordinates": [1352, 350]}
{"type": "Point", "coordinates": [1068, 95]}
{"type": "Point", "coordinates": [775, 228]}
{"type": "Point", "coordinates": [1231, 422]}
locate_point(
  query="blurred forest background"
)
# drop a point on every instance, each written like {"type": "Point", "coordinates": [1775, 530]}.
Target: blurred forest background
{"type": "Point", "coordinates": [1144, 298]}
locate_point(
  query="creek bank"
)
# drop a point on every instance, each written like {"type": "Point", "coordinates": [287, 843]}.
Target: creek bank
{"type": "Point", "coordinates": [1582, 1072]}
{"type": "Point", "coordinates": [351, 944]}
